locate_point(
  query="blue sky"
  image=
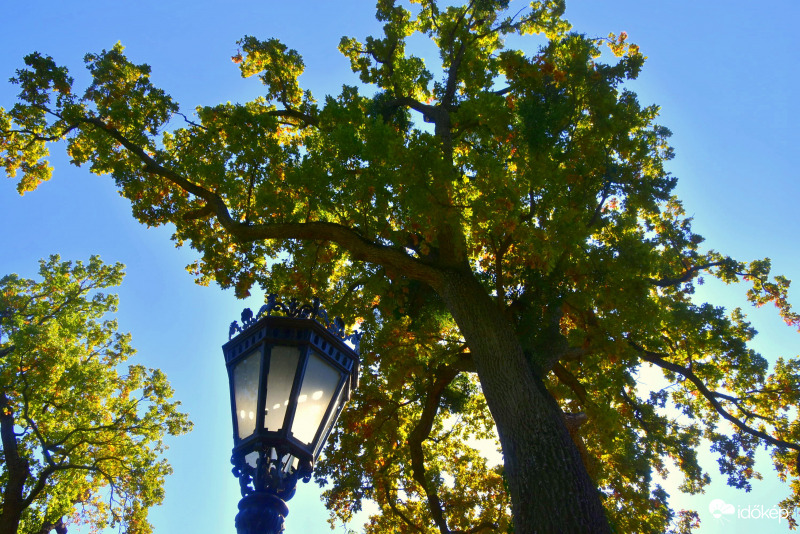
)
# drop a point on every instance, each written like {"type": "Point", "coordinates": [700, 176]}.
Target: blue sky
{"type": "Point", "coordinates": [723, 71]}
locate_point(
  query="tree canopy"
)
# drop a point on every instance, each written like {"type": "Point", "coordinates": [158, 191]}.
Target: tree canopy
{"type": "Point", "coordinates": [500, 224]}
{"type": "Point", "coordinates": [82, 441]}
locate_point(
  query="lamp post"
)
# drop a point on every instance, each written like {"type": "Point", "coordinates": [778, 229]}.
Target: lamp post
{"type": "Point", "coordinates": [290, 373]}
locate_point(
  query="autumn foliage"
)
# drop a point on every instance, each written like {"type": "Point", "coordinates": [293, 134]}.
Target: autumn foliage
{"type": "Point", "coordinates": [501, 225]}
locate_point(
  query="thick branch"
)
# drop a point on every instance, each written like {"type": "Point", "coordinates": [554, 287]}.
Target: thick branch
{"type": "Point", "coordinates": [711, 396]}
{"type": "Point", "coordinates": [452, 76]}
{"type": "Point", "coordinates": [58, 526]}
{"type": "Point", "coordinates": [358, 246]}
{"type": "Point", "coordinates": [199, 213]}
{"type": "Point", "coordinates": [574, 421]}
{"type": "Point", "coordinates": [431, 113]}
{"type": "Point", "coordinates": [569, 380]}
{"type": "Point", "coordinates": [294, 114]}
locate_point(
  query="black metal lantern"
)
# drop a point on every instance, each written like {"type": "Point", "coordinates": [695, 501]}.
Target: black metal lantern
{"type": "Point", "coordinates": [290, 374]}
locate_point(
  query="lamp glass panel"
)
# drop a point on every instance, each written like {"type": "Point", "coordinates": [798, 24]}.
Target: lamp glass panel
{"type": "Point", "coordinates": [251, 459]}
{"type": "Point", "coordinates": [319, 386]}
{"type": "Point", "coordinates": [332, 417]}
{"type": "Point", "coordinates": [282, 369]}
{"type": "Point", "coordinates": [245, 387]}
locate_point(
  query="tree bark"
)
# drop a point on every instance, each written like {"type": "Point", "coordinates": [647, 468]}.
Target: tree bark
{"type": "Point", "coordinates": [550, 488]}
{"type": "Point", "coordinates": [17, 468]}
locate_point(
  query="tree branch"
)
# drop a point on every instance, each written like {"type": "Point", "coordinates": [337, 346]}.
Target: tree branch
{"type": "Point", "coordinates": [430, 112]}
{"type": "Point", "coordinates": [569, 380]}
{"type": "Point", "coordinates": [16, 467]}
{"type": "Point", "coordinates": [637, 411]}
{"type": "Point", "coordinates": [443, 377]}
{"type": "Point", "coordinates": [452, 76]}
{"type": "Point", "coordinates": [737, 402]}
{"type": "Point", "coordinates": [58, 526]}
{"type": "Point", "coordinates": [358, 246]}
{"type": "Point", "coordinates": [685, 277]}
{"type": "Point", "coordinates": [711, 397]}
{"type": "Point", "coordinates": [391, 502]}
{"type": "Point", "coordinates": [294, 114]}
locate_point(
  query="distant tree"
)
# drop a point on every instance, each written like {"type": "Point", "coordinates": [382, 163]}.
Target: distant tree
{"type": "Point", "coordinates": [81, 441]}
{"type": "Point", "coordinates": [500, 223]}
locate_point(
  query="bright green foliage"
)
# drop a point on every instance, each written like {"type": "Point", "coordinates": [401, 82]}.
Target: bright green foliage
{"type": "Point", "coordinates": [82, 436]}
{"type": "Point", "coordinates": [535, 172]}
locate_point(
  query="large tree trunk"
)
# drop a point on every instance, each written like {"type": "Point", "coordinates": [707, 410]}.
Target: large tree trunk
{"type": "Point", "coordinates": [550, 488]}
{"type": "Point", "coordinates": [17, 471]}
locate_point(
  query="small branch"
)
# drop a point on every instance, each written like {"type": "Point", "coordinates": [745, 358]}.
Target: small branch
{"type": "Point", "coordinates": [499, 281]}
{"type": "Point", "coordinates": [190, 121]}
{"type": "Point", "coordinates": [391, 502]}
{"type": "Point", "coordinates": [443, 377]}
{"type": "Point", "coordinates": [599, 208]}
{"type": "Point", "coordinates": [736, 402]}
{"type": "Point", "coordinates": [350, 289]}
{"type": "Point", "coordinates": [685, 277]}
{"type": "Point", "coordinates": [35, 136]}
{"type": "Point", "coordinates": [637, 411]}
{"type": "Point", "coordinates": [42, 442]}
{"type": "Point", "coordinates": [44, 475]}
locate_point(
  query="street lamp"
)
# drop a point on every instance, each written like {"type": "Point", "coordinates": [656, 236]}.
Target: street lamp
{"type": "Point", "coordinates": [290, 373]}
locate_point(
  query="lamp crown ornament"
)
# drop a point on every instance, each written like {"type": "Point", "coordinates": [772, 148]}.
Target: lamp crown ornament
{"type": "Point", "coordinates": [293, 308]}
{"type": "Point", "coordinates": [291, 370]}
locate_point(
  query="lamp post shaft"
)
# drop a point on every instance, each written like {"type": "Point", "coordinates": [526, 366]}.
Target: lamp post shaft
{"type": "Point", "coordinates": [261, 513]}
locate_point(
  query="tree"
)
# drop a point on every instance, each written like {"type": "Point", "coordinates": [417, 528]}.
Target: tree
{"type": "Point", "coordinates": [81, 442]}
{"type": "Point", "coordinates": [504, 228]}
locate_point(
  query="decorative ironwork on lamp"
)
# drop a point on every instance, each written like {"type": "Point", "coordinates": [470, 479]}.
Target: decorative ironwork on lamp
{"type": "Point", "coordinates": [290, 372]}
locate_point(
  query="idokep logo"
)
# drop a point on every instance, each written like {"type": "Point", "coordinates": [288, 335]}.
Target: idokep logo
{"type": "Point", "coordinates": [725, 512]}
{"type": "Point", "coordinates": [720, 509]}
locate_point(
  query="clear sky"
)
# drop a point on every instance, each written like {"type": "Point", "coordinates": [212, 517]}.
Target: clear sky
{"type": "Point", "coordinates": [723, 71]}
